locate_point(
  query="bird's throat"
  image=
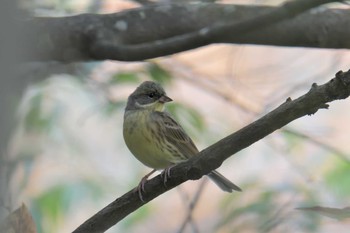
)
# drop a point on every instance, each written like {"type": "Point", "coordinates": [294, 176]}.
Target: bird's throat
{"type": "Point", "coordinates": [156, 106]}
{"type": "Point", "coordinates": [159, 107]}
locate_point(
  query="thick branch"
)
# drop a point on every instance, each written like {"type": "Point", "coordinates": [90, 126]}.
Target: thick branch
{"type": "Point", "coordinates": [160, 30]}
{"type": "Point", "coordinates": [213, 156]}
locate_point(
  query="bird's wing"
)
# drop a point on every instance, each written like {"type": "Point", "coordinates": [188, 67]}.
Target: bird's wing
{"type": "Point", "coordinates": [175, 134]}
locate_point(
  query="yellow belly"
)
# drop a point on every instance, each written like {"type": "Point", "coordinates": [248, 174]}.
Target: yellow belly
{"type": "Point", "coordinates": [138, 138]}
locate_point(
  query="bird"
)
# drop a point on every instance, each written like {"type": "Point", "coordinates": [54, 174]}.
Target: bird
{"type": "Point", "coordinates": [155, 138]}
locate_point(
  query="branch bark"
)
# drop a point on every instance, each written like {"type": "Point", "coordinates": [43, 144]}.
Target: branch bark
{"type": "Point", "coordinates": [213, 156]}
{"type": "Point", "coordinates": [160, 30]}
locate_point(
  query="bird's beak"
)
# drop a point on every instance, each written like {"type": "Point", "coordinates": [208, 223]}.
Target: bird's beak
{"type": "Point", "coordinates": [164, 99]}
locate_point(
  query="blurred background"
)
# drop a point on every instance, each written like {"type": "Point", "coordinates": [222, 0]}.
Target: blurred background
{"type": "Point", "coordinates": [69, 158]}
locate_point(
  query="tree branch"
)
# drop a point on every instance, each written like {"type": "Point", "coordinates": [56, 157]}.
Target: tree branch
{"type": "Point", "coordinates": [159, 30]}
{"type": "Point", "coordinates": [213, 156]}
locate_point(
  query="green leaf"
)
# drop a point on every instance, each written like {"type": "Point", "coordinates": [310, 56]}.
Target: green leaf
{"type": "Point", "coordinates": [125, 77]}
{"type": "Point", "coordinates": [158, 73]}
{"type": "Point", "coordinates": [264, 213]}
{"type": "Point", "coordinates": [112, 107]}
{"type": "Point", "coordinates": [194, 118]}
{"type": "Point", "coordinates": [338, 178]}
{"type": "Point", "coordinates": [50, 208]}
{"type": "Point", "coordinates": [34, 119]}
{"type": "Point", "coordinates": [263, 207]}
{"type": "Point", "coordinates": [188, 117]}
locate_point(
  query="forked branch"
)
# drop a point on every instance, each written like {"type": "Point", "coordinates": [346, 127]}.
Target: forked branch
{"type": "Point", "coordinates": [213, 156]}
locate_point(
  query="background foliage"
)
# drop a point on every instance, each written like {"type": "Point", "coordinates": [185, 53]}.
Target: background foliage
{"type": "Point", "coordinates": [70, 158]}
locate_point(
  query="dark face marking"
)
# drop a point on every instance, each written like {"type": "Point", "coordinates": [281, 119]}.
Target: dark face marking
{"type": "Point", "coordinates": [148, 92]}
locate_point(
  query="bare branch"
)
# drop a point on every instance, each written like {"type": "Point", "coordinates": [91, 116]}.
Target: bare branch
{"type": "Point", "coordinates": [213, 156]}
{"type": "Point", "coordinates": [341, 155]}
{"type": "Point", "coordinates": [191, 206]}
{"type": "Point", "coordinates": [159, 30]}
{"type": "Point", "coordinates": [144, 2]}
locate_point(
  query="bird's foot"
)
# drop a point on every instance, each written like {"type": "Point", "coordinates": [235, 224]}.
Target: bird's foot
{"type": "Point", "coordinates": [166, 174]}
{"type": "Point", "coordinates": [141, 187]}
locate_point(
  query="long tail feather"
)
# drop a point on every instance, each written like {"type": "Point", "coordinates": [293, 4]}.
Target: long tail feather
{"type": "Point", "coordinates": [223, 182]}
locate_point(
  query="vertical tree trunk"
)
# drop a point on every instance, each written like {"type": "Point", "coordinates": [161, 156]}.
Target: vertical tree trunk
{"type": "Point", "coordinates": [10, 91]}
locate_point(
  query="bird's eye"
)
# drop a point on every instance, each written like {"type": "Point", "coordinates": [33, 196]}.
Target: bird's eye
{"type": "Point", "coordinates": [151, 95]}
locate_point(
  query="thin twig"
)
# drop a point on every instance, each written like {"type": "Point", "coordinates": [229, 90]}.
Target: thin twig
{"type": "Point", "coordinates": [184, 72]}
{"type": "Point", "coordinates": [191, 207]}
{"type": "Point", "coordinates": [342, 155]}
{"type": "Point", "coordinates": [278, 218]}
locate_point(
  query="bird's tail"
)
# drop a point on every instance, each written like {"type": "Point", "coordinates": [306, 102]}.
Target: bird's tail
{"type": "Point", "coordinates": [223, 182]}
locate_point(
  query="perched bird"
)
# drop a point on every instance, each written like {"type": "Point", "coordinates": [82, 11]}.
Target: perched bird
{"type": "Point", "coordinates": [155, 138]}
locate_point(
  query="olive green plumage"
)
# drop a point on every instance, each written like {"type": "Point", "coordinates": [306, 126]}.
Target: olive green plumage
{"type": "Point", "coordinates": [154, 137]}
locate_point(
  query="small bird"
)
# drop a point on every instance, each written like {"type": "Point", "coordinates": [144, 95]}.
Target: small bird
{"type": "Point", "coordinates": [155, 138]}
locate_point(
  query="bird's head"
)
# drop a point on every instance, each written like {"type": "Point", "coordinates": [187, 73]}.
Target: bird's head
{"type": "Point", "coordinates": [149, 95]}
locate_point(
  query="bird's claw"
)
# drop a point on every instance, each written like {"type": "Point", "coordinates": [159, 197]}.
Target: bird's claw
{"type": "Point", "coordinates": [166, 174]}
{"type": "Point", "coordinates": [141, 187]}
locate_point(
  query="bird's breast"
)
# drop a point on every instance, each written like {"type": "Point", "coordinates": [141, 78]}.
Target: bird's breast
{"type": "Point", "coordinates": [143, 140]}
